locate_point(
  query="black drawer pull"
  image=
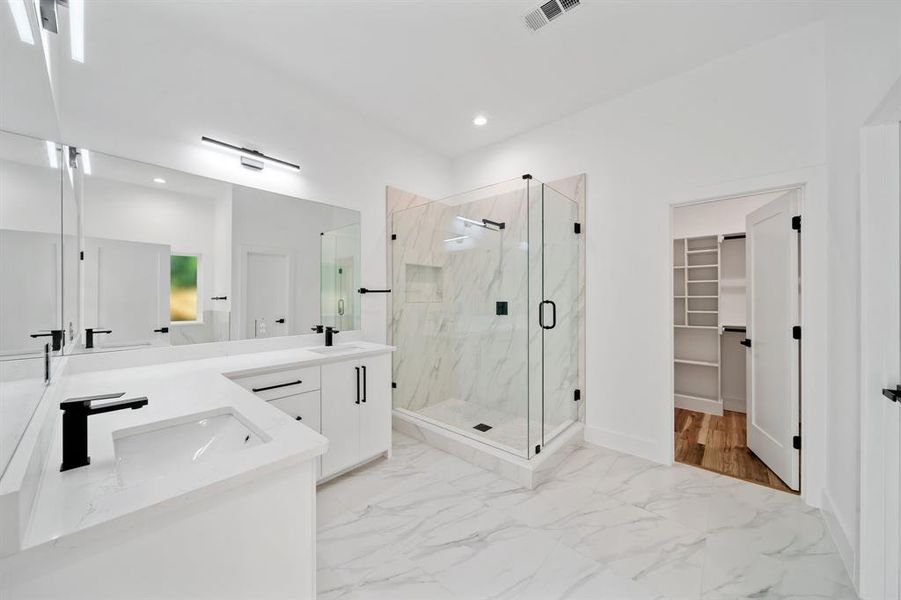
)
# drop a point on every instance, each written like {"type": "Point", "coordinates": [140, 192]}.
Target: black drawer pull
{"type": "Point", "coordinates": [276, 386]}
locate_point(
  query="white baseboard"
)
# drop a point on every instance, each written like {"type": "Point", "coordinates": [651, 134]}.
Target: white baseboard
{"type": "Point", "coordinates": [735, 404]}
{"type": "Point", "coordinates": [703, 405]}
{"type": "Point", "coordinates": [840, 535]}
{"type": "Point", "coordinates": [627, 444]}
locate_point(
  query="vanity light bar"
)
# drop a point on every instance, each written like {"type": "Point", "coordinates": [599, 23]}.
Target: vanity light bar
{"type": "Point", "coordinates": [253, 154]}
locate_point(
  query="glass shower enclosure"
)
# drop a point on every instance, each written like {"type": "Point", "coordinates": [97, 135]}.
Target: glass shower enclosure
{"type": "Point", "coordinates": [485, 313]}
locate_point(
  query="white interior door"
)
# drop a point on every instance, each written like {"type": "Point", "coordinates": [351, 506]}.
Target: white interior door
{"type": "Point", "coordinates": [774, 358]}
{"type": "Point", "coordinates": [126, 292]}
{"type": "Point", "coordinates": [267, 294]}
{"type": "Point", "coordinates": [880, 467]}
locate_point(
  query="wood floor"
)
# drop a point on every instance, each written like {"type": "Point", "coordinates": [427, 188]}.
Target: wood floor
{"type": "Point", "coordinates": [720, 444]}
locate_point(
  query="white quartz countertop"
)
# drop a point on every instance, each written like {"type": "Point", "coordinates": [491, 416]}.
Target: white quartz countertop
{"type": "Point", "coordinates": [82, 498]}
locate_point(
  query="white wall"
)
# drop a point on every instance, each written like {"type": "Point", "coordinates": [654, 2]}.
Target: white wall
{"type": "Point", "coordinates": [863, 61]}
{"type": "Point", "coordinates": [716, 218]}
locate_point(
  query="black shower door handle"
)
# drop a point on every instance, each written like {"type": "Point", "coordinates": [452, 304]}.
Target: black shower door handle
{"type": "Point", "coordinates": [541, 314]}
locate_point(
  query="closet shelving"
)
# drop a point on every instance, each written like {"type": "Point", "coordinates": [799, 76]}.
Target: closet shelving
{"type": "Point", "coordinates": [696, 310]}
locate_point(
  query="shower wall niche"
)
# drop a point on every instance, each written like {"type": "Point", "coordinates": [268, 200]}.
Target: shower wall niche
{"type": "Point", "coordinates": [486, 313]}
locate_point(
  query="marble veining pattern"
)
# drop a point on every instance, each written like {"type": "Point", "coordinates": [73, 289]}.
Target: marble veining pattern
{"type": "Point", "coordinates": [427, 525]}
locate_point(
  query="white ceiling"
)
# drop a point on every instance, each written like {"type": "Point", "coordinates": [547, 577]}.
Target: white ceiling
{"type": "Point", "coordinates": [423, 69]}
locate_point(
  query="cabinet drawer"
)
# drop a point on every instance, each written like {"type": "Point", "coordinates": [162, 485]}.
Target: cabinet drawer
{"type": "Point", "coordinates": [282, 383]}
{"type": "Point", "coordinates": [301, 407]}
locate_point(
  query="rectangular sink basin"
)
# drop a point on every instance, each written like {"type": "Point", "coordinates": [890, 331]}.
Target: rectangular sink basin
{"type": "Point", "coordinates": [336, 349]}
{"type": "Point", "coordinates": [182, 446]}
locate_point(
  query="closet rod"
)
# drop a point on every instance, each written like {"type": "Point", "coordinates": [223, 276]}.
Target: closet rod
{"type": "Point", "coordinates": [734, 329]}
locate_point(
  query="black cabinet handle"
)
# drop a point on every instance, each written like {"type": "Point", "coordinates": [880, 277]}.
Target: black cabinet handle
{"type": "Point", "coordinates": [746, 343]}
{"type": "Point", "coordinates": [162, 330]}
{"type": "Point", "coordinates": [276, 386]}
{"type": "Point", "coordinates": [358, 385]}
{"type": "Point", "coordinates": [893, 394]}
{"type": "Point", "coordinates": [364, 384]}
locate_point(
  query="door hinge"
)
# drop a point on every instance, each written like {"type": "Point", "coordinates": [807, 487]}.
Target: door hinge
{"type": "Point", "coordinates": [393, 236]}
{"type": "Point", "coordinates": [394, 385]}
{"type": "Point", "coordinates": [577, 395]}
{"type": "Point", "coordinates": [796, 222]}
{"type": "Point", "coordinates": [538, 449]}
{"type": "Point", "coordinates": [81, 255]}
{"type": "Point", "coordinates": [577, 227]}
{"type": "Point", "coordinates": [796, 442]}
{"type": "Point", "coordinates": [796, 332]}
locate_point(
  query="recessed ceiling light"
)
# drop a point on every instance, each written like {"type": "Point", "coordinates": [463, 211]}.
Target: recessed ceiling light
{"type": "Point", "coordinates": [76, 29]}
{"type": "Point", "coordinates": [159, 180]}
{"type": "Point", "coordinates": [23, 24]}
{"type": "Point", "coordinates": [479, 120]}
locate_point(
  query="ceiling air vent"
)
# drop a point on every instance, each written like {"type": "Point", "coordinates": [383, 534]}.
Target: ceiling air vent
{"type": "Point", "coordinates": [547, 12]}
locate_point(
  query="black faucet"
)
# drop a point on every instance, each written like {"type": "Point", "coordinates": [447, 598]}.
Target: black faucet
{"type": "Point", "coordinates": [329, 333]}
{"type": "Point", "coordinates": [75, 424]}
{"type": "Point", "coordinates": [90, 333]}
{"type": "Point", "coordinates": [57, 337]}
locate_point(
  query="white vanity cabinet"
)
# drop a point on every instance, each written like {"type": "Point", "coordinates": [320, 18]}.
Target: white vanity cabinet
{"type": "Point", "coordinates": [356, 411]}
{"type": "Point", "coordinates": [348, 401]}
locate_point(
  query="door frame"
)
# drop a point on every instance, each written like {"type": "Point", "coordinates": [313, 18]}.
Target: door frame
{"type": "Point", "coordinates": [880, 148]}
{"type": "Point", "coordinates": [240, 301]}
{"type": "Point", "coordinates": [812, 184]}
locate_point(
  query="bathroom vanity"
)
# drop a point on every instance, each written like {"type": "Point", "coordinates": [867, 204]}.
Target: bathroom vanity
{"type": "Point", "coordinates": [214, 479]}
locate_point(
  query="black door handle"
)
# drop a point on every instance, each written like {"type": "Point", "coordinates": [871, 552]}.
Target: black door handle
{"type": "Point", "coordinates": [364, 384]}
{"type": "Point", "coordinates": [276, 386]}
{"type": "Point", "coordinates": [219, 298]}
{"type": "Point", "coordinates": [282, 320]}
{"type": "Point", "coordinates": [893, 394]}
{"type": "Point", "coordinates": [162, 330]}
{"type": "Point", "coordinates": [541, 314]}
{"type": "Point", "coordinates": [358, 385]}
{"type": "Point", "coordinates": [746, 343]}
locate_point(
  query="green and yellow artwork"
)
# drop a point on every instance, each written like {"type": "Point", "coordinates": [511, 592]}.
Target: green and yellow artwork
{"type": "Point", "coordinates": [183, 288]}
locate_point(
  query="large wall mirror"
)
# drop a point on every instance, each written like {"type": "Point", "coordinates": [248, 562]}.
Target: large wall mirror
{"type": "Point", "coordinates": [172, 258]}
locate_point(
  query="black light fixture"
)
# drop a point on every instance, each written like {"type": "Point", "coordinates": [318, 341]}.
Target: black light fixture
{"type": "Point", "coordinates": [252, 159]}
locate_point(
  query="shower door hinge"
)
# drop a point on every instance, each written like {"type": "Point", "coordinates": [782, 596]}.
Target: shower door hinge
{"type": "Point", "coordinates": [538, 449]}
{"type": "Point", "coordinates": [577, 395]}
{"type": "Point", "coordinates": [796, 442]}
{"type": "Point", "coordinates": [577, 227]}
{"type": "Point", "coordinates": [394, 385]}
{"type": "Point", "coordinates": [796, 332]}
{"type": "Point", "coordinates": [796, 223]}
{"type": "Point", "coordinates": [393, 236]}
{"type": "Point", "coordinates": [81, 255]}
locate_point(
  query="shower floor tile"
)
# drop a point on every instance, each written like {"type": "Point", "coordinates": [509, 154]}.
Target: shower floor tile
{"type": "Point", "coordinates": [508, 432]}
{"type": "Point", "coordinates": [604, 526]}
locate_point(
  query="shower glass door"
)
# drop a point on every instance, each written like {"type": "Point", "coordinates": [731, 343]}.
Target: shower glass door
{"type": "Point", "coordinates": [559, 311]}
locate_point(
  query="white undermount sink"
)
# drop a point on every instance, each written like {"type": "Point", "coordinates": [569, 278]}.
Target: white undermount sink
{"type": "Point", "coordinates": [181, 445]}
{"type": "Point", "coordinates": [336, 349]}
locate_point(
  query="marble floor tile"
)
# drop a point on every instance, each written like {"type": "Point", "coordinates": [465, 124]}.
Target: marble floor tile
{"type": "Point", "coordinates": [427, 525]}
